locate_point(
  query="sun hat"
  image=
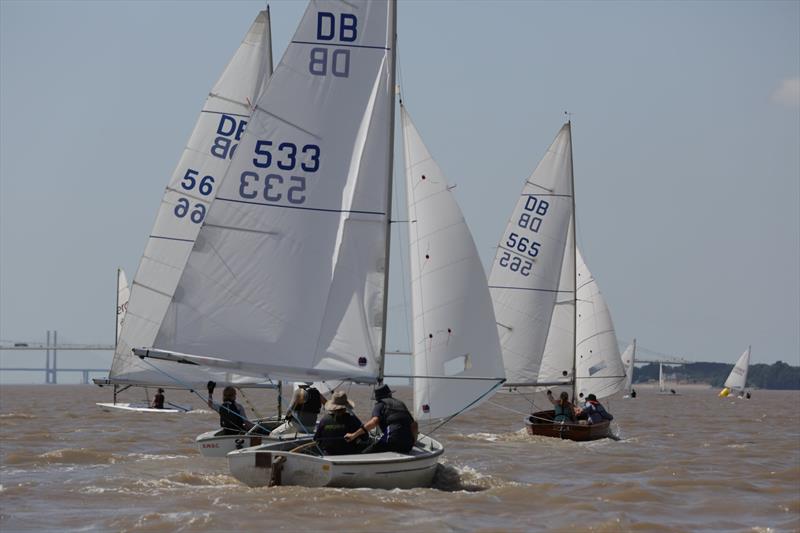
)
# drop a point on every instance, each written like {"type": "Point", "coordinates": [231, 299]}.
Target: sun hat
{"type": "Point", "coordinates": [339, 402]}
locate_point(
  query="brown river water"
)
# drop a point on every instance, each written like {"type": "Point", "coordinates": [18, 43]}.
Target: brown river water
{"type": "Point", "coordinates": [692, 462]}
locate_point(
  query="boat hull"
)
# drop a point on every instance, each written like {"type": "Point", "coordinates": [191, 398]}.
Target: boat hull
{"type": "Point", "coordinates": [275, 463]}
{"type": "Point", "coordinates": [137, 408]}
{"type": "Point", "coordinates": [215, 444]}
{"type": "Point", "coordinates": [540, 423]}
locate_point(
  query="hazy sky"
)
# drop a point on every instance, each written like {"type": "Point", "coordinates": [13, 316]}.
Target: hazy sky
{"type": "Point", "coordinates": [686, 125]}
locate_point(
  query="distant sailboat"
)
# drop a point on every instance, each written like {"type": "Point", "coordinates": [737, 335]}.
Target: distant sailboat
{"type": "Point", "coordinates": [628, 360]}
{"type": "Point", "coordinates": [737, 380]}
{"type": "Point", "coordinates": [554, 325]}
{"type": "Point", "coordinates": [666, 384]}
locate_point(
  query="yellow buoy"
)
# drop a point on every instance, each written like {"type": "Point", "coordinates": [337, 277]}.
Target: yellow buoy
{"type": "Point", "coordinates": [724, 392]}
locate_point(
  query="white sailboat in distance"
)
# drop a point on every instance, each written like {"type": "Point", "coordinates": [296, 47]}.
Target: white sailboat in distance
{"type": "Point", "coordinates": [737, 379]}
{"type": "Point", "coordinates": [628, 361]}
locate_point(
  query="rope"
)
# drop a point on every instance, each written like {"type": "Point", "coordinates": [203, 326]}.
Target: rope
{"type": "Point", "coordinates": [250, 405]}
{"type": "Point", "coordinates": [191, 389]}
{"type": "Point", "coordinates": [506, 408]}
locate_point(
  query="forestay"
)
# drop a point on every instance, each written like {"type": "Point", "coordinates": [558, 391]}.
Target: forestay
{"type": "Point", "coordinates": [598, 365]}
{"type": "Point", "coordinates": [190, 192]}
{"type": "Point", "coordinates": [287, 274]}
{"type": "Point", "coordinates": [454, 328]}
{"type": "Point", "coordinates": [526, 276]}
{"type": "Point", "coordinates": [737, 380]}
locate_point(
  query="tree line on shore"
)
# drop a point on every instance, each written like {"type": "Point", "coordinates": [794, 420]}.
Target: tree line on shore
{"type": "Point", "coordinates": [779, 375]}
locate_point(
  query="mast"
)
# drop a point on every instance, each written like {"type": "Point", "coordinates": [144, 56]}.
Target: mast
{"type": "Point", "coordinates": [574, 271]}
{"type": "Point", "coordinates": [270, 64]}
{"type": "Point", "coordinates": [390, 172]}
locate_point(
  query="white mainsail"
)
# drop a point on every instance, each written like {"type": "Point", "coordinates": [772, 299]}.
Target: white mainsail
{"type": "Point", "coordinates": [628, 360]}
{"type": "Point", "coordinates": [527, 279]}
{"type": "Point", "coordinates": [123, 295]}
{"type": "Point", "coordinates": [287, 277]}
{"type": "Point", "coordinates": [537, 277]}
{"type": "Point", "coordinates": [454, 328]}
{"type": "Point", "coordinates": [737, 380]}
{"type": "Point", "coordinates": [187, 198]}
{"type": "Point", "coordinates": [598, 366]}
{"type": "Point", "coordinates": [662, 382]}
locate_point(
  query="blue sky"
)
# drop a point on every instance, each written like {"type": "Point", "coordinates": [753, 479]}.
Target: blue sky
{"type": "Point", "coordinates": [686, 124]}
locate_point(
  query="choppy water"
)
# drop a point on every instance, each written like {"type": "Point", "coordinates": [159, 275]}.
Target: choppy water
{"type": "Point", "coordinates": [686, 463]}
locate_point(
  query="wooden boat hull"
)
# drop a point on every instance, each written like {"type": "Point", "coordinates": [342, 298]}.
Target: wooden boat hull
{"type": "Point", "coordinates": [260, 466]}
{"type": "Point", "coordinates": [214, 444]}
{"type": "Point", "coordinates": [540, 423]}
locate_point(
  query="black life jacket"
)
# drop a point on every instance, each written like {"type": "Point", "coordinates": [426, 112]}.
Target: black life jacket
{"type": "Point", "coordinates": [396, 415]}
{"type": "Point", "coordinates": [158, 401]}
{"type": "Point", "coordinates": [230, 417]}
{"type": "Point", "coordinates": [313, 403]}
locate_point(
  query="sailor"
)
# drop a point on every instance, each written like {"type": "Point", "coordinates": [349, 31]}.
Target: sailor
{"type": "Point", "coordinates": [397, 425]}
{"type": "Point", "coordinates": [302, 414]}
{"type": "Point", "coordinates": [335, 424]}
{"type": "Point", "coordinates": [158, 400]}
{"type": "Point", "coordinates": [232, 415]}
{"type": "Point", "coordinates": [594, 411]}
{"type": "Point", "coordinates": [562, 408]}
{"type": "Point", "coordinates": [633, 393]}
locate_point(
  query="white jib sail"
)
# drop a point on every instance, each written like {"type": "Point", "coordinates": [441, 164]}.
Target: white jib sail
{"type": "Point", "coordinates": [598, 365]}
{"type": "Point", "coordinates": [191, 190]}
{"type": "Point", "coordinates": [454, 328]}
{"type": "Point", "coordinates": [287, 273]}
{"type": "Point", "coordinates": [527, 270]}
{"type": "Point", "coordinates": [662, 384]}
{"type": "Point", "coordinates": [558, 359]}
{"type": "Point", "coordinates": [737, 380]}
{"type": "Point", "coordinates": [123, 295]}
{"type": "Point", "coordinates": [628, 360]}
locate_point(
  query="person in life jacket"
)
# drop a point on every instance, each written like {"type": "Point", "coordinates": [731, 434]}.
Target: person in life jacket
{"type": "Point", "coordinates": [398, 426]}
{"type": "Point", "coordinates": [335, 424]}
{"type": "Point", "coordinates": [594, 411]}
{"type": "Point", "coordinates": [158, 400]}
{"type": "Point", "coordinates": [232, 416]}
{"type": "Point", "coordinates": [563, 410]}
{"type": "Point", "coordinates": [301, 417]}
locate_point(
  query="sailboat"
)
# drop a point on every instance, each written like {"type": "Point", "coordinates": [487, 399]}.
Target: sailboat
{"type": "Point", "coordinates": [151, 311]}
{"type": "Point", "coordinates": [290, 274]}
{"type": "Point", "coordinates": [666, 384]}
{"type": "Point", "coordinates": [628, 360]}
{"type": "Point", "coordinates": [554, 325]}
{"type": "Point", "coordinates": [123, 295]}
{"type": "Point", "coordinates": [737, 379]}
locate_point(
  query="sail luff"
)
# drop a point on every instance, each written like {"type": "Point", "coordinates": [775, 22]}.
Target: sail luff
{"type": "Point", "coordinates": [573, 235]}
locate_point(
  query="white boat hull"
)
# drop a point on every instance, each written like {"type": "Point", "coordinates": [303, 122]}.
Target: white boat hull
{"type": "Point", "coordinates": [255, 467]}
{"type": "Point", "coordinates": [138, 408]}
{"type": "Point", "coordinates": [214, 444]}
